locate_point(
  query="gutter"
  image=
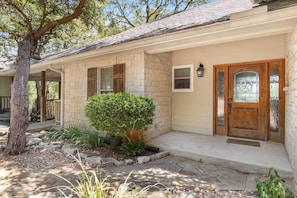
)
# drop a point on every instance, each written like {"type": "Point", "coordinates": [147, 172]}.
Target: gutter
{"type": "Point", "coordinates": [60, 71]}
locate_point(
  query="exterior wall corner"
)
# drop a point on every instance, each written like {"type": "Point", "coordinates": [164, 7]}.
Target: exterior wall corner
{"type": "Point", "coordinates": [291, 100]}
{"type": "Point", "coordinates": [157, 81]}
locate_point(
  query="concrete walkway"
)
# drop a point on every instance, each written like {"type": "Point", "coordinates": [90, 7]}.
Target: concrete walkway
{"type": "Point", "coordinates": [215, 149]}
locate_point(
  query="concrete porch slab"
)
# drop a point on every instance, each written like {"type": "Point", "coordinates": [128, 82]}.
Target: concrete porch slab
{"type": "Point", "coordinates": [215, 149]}
{"type": "Point", "coordinates": [37, 126]}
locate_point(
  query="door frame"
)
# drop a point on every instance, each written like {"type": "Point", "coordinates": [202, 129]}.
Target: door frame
{"type": "Point", "coordinates": [267, 64]}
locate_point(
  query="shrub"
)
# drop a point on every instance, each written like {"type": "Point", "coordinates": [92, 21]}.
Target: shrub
{"type": "Point", "coordinates": [80, 136]}
{"type": "Point", "coordinates": [116, 113]}
{"type": "Point", "coordinates": [273, 187]}
{"type": "Point", "coordinates": [133, 148]}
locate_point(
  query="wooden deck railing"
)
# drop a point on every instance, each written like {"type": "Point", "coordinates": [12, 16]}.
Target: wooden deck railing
{"type": "Point", "coordinates": [50, 109]}
{"type": "Point", "coordinates": [4, 104]}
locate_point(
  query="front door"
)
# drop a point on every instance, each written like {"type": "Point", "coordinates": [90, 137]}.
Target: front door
{"type": "Point", "coordinates": [246, 105]}
{"type": "Point", "coordinates": [249, 100]}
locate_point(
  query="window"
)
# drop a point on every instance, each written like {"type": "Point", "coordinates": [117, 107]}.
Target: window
{"type": "Point", "coordinates": [106, 79]}
{"type": "Point", "coordinates": [182, 78]}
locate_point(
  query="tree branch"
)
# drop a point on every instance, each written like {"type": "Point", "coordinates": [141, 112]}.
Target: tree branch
{"type": "Point", "coordinates": [66, 19]}
{"type": "Point", "coordinates": [123, 14]}
{"type": "Point", "coordinates": [44, 13]}
{"type": "Point", "coordinates": [19, 10]}
{"type": "Point", "coordinates": [156, 12]}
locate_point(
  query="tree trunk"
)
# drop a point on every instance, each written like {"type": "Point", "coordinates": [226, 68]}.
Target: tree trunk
{"type": "Point", "coordinates": [19, 115]}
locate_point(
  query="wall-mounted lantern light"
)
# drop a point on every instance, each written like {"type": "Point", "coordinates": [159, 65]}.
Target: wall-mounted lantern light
{"type": "Point", "coordinates": [200, 70]}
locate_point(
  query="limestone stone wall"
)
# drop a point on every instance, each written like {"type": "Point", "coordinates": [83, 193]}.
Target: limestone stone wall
{"type": "Point", "coordinates": [157, 80]}
{"type": "Point", "coordinates": [75, 82]}
{"type": "Point", "coordinates": [291, 99]}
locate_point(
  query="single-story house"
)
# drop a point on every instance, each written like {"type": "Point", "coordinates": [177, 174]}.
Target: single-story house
{"type": "Point", "coordinates": [224, 68]}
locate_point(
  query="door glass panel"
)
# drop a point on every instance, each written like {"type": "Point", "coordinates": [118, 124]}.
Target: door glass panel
{"type": "Point", "coordinates": [246, 86]}
{"type": "Point", "coordinates": [221, 102]}
{"type": "Point", "coordinates": [274, 99]}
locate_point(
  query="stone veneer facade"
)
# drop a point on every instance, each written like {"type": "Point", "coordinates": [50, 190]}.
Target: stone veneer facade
{"type": "Point", "coordinates": [75, 86]}
{"type": "Point", "coordinates": [157, 80]}
{"type": "Point", "coordinates": [148, 75]}
{"type": "Point", "coordinates": [291, 100]}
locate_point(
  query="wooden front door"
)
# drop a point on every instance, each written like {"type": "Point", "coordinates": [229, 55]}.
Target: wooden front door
{"type": "Point", "coordinates": [249, 100]}
{"type": "Point", "coordinates": [246, 104]}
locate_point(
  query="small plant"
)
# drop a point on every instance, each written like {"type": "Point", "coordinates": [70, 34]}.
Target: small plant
{"type": "Point", "coordinates": [90, 186]}
{"type": "Point", "coordinates": [77, 135]}
{"type": "Point", "coordinates": [133, 148]}
{"type": "Point", "coordinates": [273, 187]}
{"type": "Point", "coordinates": [116, 113]}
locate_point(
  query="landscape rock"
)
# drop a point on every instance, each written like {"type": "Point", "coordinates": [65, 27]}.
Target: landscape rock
{"type": "Point", "coordinates": [34, 141]}
{"type": "Point", "coordinates": [52, 147]}
{"type": "Point", "coordinates": [82, 155]}
{"type": "Point", "coordinates": [68, 150]}
{"type": "Point", "coordinates": [57, 142]}
{"type": "Point", "coordinates": [108, 161]}
{"type": "Point", "coordinates": [129, 161]}
{"type": "Point", "coordinates": [94, 160]}
{"type": "Point", "coordinates": [36, 135]}
{"type": "Point", "coordinates": [119, 163]}
{"type": "Point", "coordinates": [143, 159]}
{"type": "Point", "coordinates": [2, 133]}
{"type": "Point", "coordinates": [43, 132]}
{"type": "Point", "coordinates": [159, 155]}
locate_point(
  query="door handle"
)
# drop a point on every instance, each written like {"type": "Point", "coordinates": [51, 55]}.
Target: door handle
{"type": "Point", "coordinates": [230, 100]}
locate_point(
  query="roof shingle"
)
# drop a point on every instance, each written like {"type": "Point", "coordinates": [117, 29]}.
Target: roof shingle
{"type": "Point", "coordinates": [200, 16]}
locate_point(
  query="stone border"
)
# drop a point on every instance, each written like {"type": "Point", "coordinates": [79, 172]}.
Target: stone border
{"type": "Point", "coordinates": [35, 141]}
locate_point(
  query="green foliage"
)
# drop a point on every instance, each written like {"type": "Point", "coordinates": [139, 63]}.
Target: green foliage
{"type": "Point", "coordinates": [273, 187]}
{"type": "Point", "coordinates": [32, 93]}
{"type": "Point", "coordinates": [91, 186]}
{"type": "Point", "coordinates": [77, 135]}
{"type": "Point", "coordinates": [116, 113]}
{"type": "Point", "coordinates": [133, 148]}
{"type": "Point", "coordinates": [127, 14]}
{"type": "Point", "coordinates": [17, 18]}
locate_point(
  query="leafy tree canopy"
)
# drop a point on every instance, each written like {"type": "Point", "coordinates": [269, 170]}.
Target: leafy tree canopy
{"type": "Point", "coordinates": [17, 17]}
{"type": "Point", "coordinates": [97, 20]}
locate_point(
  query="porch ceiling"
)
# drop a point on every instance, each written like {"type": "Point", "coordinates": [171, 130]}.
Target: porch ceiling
{"type": "Point", "coordinates": [50, 76]}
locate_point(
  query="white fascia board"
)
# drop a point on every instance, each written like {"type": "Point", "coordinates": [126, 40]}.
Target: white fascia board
{"type": "Point", "coordinates": [267, 24]}
{"type": "Point", "coordinates": [257, 24]}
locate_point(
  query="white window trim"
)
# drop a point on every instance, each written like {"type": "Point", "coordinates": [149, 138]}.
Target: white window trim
{"type": "Point", "coordinates": [99, 90]}
{"type": "Point", "coordinates": [191, 89]}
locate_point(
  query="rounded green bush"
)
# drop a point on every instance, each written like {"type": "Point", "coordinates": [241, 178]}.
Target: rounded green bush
{"type": "Point", "coordinates": [116, 113]}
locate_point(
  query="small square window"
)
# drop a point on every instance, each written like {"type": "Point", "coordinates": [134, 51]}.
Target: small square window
{"type": "Point", "coordinates": [182, 78]}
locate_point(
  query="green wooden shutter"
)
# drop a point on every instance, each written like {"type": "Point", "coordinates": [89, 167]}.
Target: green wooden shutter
{"type": "Point", "coordinates": [119, 78]}
{"type": "Point", "coordinates": [92, 81]}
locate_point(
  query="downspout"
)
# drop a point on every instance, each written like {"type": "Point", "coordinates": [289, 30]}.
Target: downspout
{"type": "Point", "coordinates": [60, 71]}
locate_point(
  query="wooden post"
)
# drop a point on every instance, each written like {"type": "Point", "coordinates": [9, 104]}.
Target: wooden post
{"type": "Point", "coordinates": [42, 98]}
{"type": "Point", "coordinates": [59, 90]}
